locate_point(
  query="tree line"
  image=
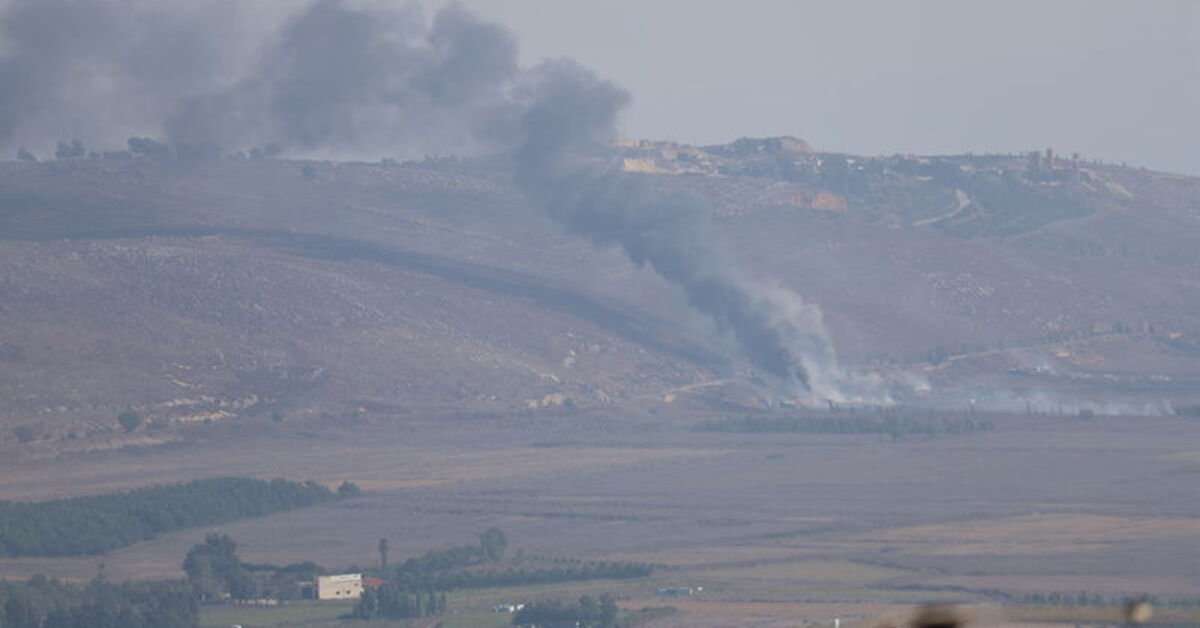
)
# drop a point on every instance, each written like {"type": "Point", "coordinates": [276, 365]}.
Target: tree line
{"type": "Point", "coordinates": [897, 427]}
{"type": "Point", "coordinates": [418, 586]}
{"type": "Point", "coordinates": [586, 613]}
{"type": "Point", "coordinates": [394, 601]}
{"type": "Point", "coordinates": [48, 603]}
{"type": "Point", "coordinates": [479, 566]}
{"type": "Point", "coordinates": [97, 524]}
{"type": "Point", "coordinates": [522, 575]}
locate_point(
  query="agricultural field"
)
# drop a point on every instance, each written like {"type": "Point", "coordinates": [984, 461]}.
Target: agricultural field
{"type": "Point", "coordinates": [787, 528]}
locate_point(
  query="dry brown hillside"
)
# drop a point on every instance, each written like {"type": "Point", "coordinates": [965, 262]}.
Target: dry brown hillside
{"type": "Point", "coordinates": [239, 290]}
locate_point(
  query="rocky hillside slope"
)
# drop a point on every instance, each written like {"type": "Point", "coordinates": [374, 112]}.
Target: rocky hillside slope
{"type": "Point", "coordinates": [257, 290]}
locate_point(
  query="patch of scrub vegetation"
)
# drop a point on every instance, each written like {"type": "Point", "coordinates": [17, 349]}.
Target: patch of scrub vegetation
{"type": "Point", "coordinates": [1004, 206]}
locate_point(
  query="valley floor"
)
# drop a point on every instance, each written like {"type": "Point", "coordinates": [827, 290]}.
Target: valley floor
{"type": "Point", "coordinates": [777, 529]}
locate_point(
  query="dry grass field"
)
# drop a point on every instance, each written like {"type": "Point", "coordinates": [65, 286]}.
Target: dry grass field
{"type": "Point", "coordinates": [779, 530]}
{"type": "Point", "coordinates": [1040, 534]}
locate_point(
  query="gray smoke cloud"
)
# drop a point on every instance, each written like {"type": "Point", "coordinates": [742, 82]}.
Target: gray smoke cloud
{"type": "Point", "coordinates": [569, 121]}
{"type": "Point", "coordinates": [105, 70]}
{"type": "Point", "coordinates": [346, 78]}
{"type": "Point", "coordinates": [328, 78]}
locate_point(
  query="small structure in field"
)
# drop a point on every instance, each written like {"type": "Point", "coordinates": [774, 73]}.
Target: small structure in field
{"type": "Point", "coordinates": [347, 586]}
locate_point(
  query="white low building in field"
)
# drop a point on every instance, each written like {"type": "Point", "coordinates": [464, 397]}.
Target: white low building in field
{"type": "Point", "coordinates": [346, 586]}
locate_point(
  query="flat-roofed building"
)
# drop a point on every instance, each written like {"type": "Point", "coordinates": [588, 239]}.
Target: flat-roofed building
{"type": "Point", "coordinates": [346, 586]}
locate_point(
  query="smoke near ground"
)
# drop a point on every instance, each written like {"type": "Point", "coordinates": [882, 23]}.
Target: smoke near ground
{"type": "Point", "coordinates": [570, 117]}
{"type": "Point", "coordinates": [346, 79]}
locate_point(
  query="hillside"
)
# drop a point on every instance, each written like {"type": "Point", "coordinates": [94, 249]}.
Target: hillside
{"type": "Point", "coordinates": [259, 290]}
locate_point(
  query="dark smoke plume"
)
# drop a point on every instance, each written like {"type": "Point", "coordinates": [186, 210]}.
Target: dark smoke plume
{"type": "Point", "coordinates": [570, 118]}
{"type": "Point", "coordinates": [335, 78]}
{"type": "Point", "coordinates": [105, 70]}
{"type": "Point", "coordinates": [354, 79]}
{"type": "Point", "coordinates": [349, 79]}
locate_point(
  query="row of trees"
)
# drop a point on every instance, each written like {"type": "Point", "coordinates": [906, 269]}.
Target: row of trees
{"type": "Point", "coordinates": [97, 524]}
{"type": "Point", "coordinates": [479, 566]}
{"type": "Point", "coordinates": [491, 549]}
{"type": "Point", "coordinates": [47, 603]}
{"type": "Point", "coordinates": [441, 560]}
{"type": "Point", "coordinates": [894, 426]}
{"type": "Point", "coordinates": [393, 601]}
{"type": "Point", "coordinates": [523, 576]}
{"type": "Point", "coordinates": [587, 613]}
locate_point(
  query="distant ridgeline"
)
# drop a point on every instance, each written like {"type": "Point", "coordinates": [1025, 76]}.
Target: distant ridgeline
{"type": "Point", "coordinates": [96, 524]}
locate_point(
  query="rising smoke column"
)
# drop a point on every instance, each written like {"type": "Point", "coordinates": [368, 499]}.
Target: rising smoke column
{"type": "Point", "coordinates": [570, 115]}
{"type": "Point", "coordinates": [360, 79]}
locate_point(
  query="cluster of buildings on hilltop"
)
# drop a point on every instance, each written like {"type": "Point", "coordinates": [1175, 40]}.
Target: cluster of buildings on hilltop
{"type": "Point", "coordinates": [657, 157]}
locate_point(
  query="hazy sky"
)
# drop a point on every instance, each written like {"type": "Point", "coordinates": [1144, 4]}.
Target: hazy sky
{"type": "Point", "coordinates": [1119, 81]}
